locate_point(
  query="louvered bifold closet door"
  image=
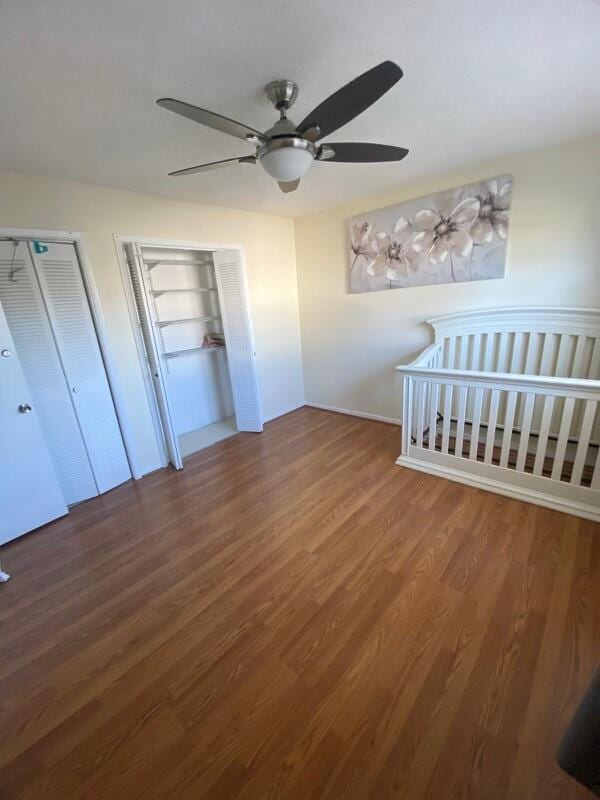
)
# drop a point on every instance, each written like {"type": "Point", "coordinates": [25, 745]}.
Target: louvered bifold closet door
{"type": "Point", "coordinates": [233, 298]}
{"type": "Point", "coordinates": [137, 272]}
{"type": "Point", "coordinates": [30, 494]}
{"type": "Point", "coordinates": [71, 320]}
{"type": "Point", "coordinates": [28, 322]}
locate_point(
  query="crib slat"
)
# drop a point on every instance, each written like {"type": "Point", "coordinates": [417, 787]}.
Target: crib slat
{"type": "Point", "coordinates": [427, 394]}
{"type": "Point", "coordinates": [531, 355]}
{"type": "Point", "coordinates": [475, 359]}
{"type": "Point", "coordinates": [502, 353]}
{"type": "Point", "coordinates": [445, 353]}
{"type": "Point", "coordinates": [451, 352]}
{"type": "Point", "coordinates": [563, 367]}
{"type": "Point", "coordinates": [528, 407]}
{"type": "Point", "coordinates": [576, 367]}
{"type": "Point", "coordinates": [488, 352]}
{"type": "Point", "coordinates": [462, 343]}
{"type": "Point", "coordinates": [460, 421]}
{"type": "Point", "coordinates": [420, 413]}
{"type": "Point", "coordinates": [491, 430]}
{"type": "Point", "coordinates": [594, 370]}
{"type": "Point", "coordinates": [542, 444]}
{"type": "Point", "coordinates": [509, 417]}
{"type": "Point", "coordinates": [596, 476]}
{"type": "Point", "coordinates": [447, 417]}
{"type": "Point", "coordinates": [518, 366]}
{"type": "Point", "coordinates": [542, 353]}
{"type": "Point", "coordinates": [547, 360]}
{"type": "Point", "coordinates": [475, 425]}
{"type": "Point", "coordinates": [594, 373]}
{"type": "Point", "coordinates": [433, 400]}
{"type": "Point", "coordinates": [563, 437]}
{"type": "Point", "coordinates": [587, 356]}
{"type": "Point", "coordinates": [585, 434]}
{"type": "Point", "coordinates": [556, 342]}
{"type": "Point", "coordinates": [516, 360]}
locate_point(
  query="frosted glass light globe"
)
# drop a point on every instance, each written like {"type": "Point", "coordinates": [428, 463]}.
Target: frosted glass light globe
{"type": "Point", "coordinates": [286, 163]}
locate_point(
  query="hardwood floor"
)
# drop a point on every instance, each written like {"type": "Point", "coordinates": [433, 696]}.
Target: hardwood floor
{"type": "Point", "coordinates": [295, 616]}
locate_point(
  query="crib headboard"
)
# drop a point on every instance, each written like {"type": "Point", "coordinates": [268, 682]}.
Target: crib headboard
{"type": "Point", "coordinates": [564, 342]}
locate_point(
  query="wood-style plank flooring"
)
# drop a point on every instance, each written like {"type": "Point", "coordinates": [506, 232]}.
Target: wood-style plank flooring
{"type": "Point", "coordinates": [294, 616]}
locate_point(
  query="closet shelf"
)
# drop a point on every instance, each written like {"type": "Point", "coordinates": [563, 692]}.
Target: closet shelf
{"type": "Point", "coordinates": [164, 322]}
{"type": "Point", "coordinates": [154, 262]}
{"type": "Point", "coordinates": [185, 350]}
{"type": "Point", "coordinates": [156, 292]}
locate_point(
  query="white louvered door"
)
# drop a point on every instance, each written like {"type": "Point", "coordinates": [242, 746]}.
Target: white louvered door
{"type": "Point", "coordinates": [233, 298]}
{"type": "Point", "coordinates": [136, 270]}
{"type": "Point", "coordinates": [30, 494]}
{"type": "Point", "coordinates": [28, 322]}
{"type": "Point", "coordinates": [70, 318]}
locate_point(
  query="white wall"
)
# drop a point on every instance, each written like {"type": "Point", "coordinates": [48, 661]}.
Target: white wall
{"type": "Point", "coordinates": [351, 342]}
{"type": "Point", "coordinates": [99, 212]}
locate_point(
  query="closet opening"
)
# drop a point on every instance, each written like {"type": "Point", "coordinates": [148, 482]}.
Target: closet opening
{"type": "Point", "coordinates": [189, 305]}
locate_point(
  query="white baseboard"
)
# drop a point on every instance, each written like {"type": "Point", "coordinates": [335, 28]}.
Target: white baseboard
{"type": "Point", "coordinates": [284, 412]}
{"type": "Point", "coordinates": [563, 504]}
{"type": "Point", "coordinates": [148, 470]}
{"type": "Point", "coordinates": [362, 414]}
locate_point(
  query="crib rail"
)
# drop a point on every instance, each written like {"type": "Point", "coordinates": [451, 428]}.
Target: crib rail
{"type": "Point", "coordinates": [529, 436]}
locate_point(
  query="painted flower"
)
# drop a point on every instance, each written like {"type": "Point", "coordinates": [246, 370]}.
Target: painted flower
{"type": "Point", "coordinates": [393, 254]}
{"type": "Point", "coordinates": [360, 236]}
{"type": "Point", "coordinates": [493, 212]}
{"type": "Point", "coordinates": [440, 233]}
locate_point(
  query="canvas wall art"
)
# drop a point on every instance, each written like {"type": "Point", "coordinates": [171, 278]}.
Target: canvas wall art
{"type": "Point", "coordinates": [452, 236]}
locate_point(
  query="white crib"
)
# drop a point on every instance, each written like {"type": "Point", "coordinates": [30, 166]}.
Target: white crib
{"type": "Point", "coordinates": [507, 400]}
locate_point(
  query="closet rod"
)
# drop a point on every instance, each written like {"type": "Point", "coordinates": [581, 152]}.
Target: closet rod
{"type": "Point", "coordinates": [156, 261]}
{"type": "Point", "coordinates": [34, 239]}
{"type": "Point", "coordinates": [156, 292]}
{"type": "Point", "coordinates": [185, 350]}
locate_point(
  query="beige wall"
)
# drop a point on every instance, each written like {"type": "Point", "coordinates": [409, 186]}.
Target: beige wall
{"type": "Point", "coordinates": [350, 343]}
{"type": "Point", "coordinates": [99, 212]}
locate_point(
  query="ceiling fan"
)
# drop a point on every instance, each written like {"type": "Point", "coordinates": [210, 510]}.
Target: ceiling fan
{"type": "Point", "coordinates": [286, 150]}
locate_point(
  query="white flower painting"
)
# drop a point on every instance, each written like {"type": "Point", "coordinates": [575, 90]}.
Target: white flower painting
{"type": "Point", "coordinates": [451, 237]}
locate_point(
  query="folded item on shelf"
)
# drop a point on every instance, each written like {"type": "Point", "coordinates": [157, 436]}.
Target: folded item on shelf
{"type": "Point", "coordinates": [213, 340]}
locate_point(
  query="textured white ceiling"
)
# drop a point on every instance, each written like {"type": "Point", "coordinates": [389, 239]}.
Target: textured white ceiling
{"type": "Point", "coordinates": [78, 81]}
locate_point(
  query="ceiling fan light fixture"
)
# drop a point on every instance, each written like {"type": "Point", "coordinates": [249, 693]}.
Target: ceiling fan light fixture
{"type": "Point", "coordinates": [286, 150]}
{"type": "Point", "coordinates": [287, 159]}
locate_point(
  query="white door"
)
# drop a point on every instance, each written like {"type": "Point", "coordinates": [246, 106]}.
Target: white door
{"type": "Point", "coordinates": [30, 494]}
{"type": "Point", "coordinates": [38, 355]}
{"type": "Point", "coordinates": [57, 269]}
{"type": "Point", "coordinates": [233, 297]}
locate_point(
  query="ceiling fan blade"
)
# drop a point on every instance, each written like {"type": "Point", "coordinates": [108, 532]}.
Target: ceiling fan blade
{"type": "Point", "coordinates": [360, 152]}
{"type": "Point", "coordinates": [352, 99]}
{"type": "Point", "coordinates": [209, 118]}
{"type": "Point", "coordinates": [214, 165]}
{"type": "Point", "coordinates": [289, 186]}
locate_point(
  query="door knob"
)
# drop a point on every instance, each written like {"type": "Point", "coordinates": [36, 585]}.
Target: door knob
{"type": "Point", "coordinates": [24, 408]}
{"type": "Point", "coordinates": [5, 353]}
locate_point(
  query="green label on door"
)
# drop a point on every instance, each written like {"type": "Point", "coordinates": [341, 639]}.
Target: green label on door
{"type": "Point", "coordinates": [40, 248]}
